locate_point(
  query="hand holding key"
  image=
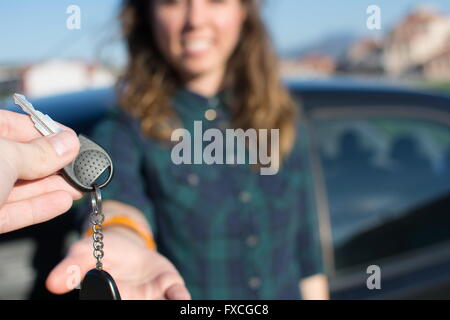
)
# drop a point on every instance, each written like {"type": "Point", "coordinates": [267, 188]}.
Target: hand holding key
{"type": "Point", "coordinates": [30, 193]}
{"type": "Point", "coordinates": [83, 173]}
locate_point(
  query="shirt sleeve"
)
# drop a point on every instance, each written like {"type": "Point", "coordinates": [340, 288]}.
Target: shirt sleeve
{"type": "Point", "coordinates": [119, 135]}
{"type": "Point", "coordinates": [311, 261]}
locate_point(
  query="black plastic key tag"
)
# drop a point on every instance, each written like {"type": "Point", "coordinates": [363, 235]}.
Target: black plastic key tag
{"type": "Point", "coordinates": [99, 285]}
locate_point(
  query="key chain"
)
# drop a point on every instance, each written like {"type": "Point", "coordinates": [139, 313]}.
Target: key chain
{"type": "Point", "coordinates": [98, 284]}
{"type": "Point", "coordinates": [83, 172]}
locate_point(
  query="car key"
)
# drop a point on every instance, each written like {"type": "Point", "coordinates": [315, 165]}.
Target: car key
{"type": "Point", "coordinates": [83, 172]}
{"type": "Point", "coordinates": [91, 161]}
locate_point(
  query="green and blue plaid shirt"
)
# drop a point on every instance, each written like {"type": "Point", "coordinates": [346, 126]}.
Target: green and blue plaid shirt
{"type": "Point", "coordinates": [231, 232]}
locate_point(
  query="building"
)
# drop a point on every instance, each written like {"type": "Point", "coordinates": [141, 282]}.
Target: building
{"type": "Point", "coordinates": [438, 67]}
{"type": "Point", "coordinates": [417, 39]}
{"type": "Point", "coordinates": [60, 76]}
{"type": "Point", "coordinates": [53, 77]}
{"type": "Point", "coordinates": [364, 56]}
{"type": "Point", "coordinates": [311, 65]}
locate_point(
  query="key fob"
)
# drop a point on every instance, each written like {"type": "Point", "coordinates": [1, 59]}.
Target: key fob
{"type": "Point", "coordinates": [98, 285]}
{"type": "Point", "coordinates": [88, 166]}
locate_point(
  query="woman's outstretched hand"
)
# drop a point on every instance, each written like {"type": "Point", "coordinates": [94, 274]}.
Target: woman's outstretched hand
{"type": "Point", "coordinates": [140, 273]}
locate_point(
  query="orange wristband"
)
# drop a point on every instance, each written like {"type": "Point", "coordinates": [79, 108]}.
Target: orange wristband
{"type": "Point", "coordinates": [130, 224]}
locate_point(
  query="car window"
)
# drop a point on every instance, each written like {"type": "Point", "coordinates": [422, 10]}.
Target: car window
{"type": "Point", "coordinates": [383, 177]}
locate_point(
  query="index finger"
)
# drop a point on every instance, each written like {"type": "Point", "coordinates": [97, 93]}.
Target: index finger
{"type": "Point", "coordinates": [19, 127]}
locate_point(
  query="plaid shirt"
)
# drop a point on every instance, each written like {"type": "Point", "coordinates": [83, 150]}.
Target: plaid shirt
{"type": "Point", "coordinates": [231, 232]}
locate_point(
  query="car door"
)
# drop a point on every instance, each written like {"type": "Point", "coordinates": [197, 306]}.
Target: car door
{"type": "Point", "coordinates": [382, 173]}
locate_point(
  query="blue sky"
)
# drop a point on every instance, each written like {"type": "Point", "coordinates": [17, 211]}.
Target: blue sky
{"type": "Point", "coordinates": [34, 30]}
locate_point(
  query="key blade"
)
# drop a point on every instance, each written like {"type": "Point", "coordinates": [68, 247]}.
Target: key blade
{"type": "Point", "coordinates": [21, 101]}
{"type": "Point", "coordinates": [44, 129]}
{"type": "Point", "coordinates": [43, 123]}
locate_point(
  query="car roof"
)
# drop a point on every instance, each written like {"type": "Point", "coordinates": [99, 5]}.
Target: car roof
{"type": "Point", "coordinates": [86, 107]}
{"type": "Point", "coordinates": [364, 92]}
{"type": "Point", "coordinates": [360, 84]}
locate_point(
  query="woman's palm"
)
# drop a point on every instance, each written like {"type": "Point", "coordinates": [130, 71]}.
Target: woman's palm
{"type": "Point", "coordinates": [139, 272]}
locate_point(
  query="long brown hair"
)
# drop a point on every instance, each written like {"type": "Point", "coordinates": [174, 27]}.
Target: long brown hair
{"type": "Point", "coordinates": [259, 99]}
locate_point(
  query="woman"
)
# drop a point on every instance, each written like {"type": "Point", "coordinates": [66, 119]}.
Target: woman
{"type": "Point", "coordinates": [222, 231]}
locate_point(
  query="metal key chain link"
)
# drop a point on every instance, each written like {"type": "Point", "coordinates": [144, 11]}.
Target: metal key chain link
{"type": "Point", "coordinates": [97, 218]}
{"type": "Point", "coordinates": [97, 283]}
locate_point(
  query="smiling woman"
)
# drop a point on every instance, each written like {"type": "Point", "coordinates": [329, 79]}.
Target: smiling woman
{"type": "Point", "coordinates": [223, 41]}
{"type": "Point", "coordinates": [222, 232]}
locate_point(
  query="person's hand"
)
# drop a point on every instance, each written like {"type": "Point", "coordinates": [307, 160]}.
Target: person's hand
{"type": "Point", "coordinates": [30, 193]}
{"type": "Point", "coordinates": [140, 273]}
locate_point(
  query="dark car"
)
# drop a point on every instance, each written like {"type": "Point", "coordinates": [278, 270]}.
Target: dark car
{"type": "Point", "coordinates": [380, 158]}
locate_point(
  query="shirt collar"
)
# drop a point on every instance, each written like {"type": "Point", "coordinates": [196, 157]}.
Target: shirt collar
{"type": "Point", "coordinates": [193, 99]}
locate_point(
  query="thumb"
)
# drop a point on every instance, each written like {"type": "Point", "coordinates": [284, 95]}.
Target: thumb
{"type": "Point", "coordinates": [44, 156]}
{"type": "Point", "coordinates": [178, 291]}
{"type": "Point", "coordinates": [67, 275]}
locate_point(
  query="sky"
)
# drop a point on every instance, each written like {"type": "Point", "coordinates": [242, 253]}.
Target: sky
{"type": "Point", "coordinates": [36, 30]}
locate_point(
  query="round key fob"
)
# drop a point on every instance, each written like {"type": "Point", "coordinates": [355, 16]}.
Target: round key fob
{"type": "Point", "coordinates": [92, 160]}
{"type": "Point", "coordinates": [88, 166]}
{"type": "Point", "coordinates": [98, 285]}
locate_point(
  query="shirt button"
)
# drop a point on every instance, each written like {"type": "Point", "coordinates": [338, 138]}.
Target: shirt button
{"type": "Point", "coordinates": [193, 179]}
{"type": "Point", "coordinates": [252, 241]}
{"type": "Point", "coordinates": [211, 114]}
{"type": "Point", "coordinates": [254, 283]}
{"type": "Point", "coordinates": [245, 197]}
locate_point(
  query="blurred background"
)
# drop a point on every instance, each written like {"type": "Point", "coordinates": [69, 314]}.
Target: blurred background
{"type": "Point", "coordinates": [41, 55]}
{"type": "Point", "coordinates": [373, 80]}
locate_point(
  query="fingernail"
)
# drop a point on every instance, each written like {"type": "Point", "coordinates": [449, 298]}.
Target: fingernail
{"type": "Point", "coordinates": [63, 142]}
